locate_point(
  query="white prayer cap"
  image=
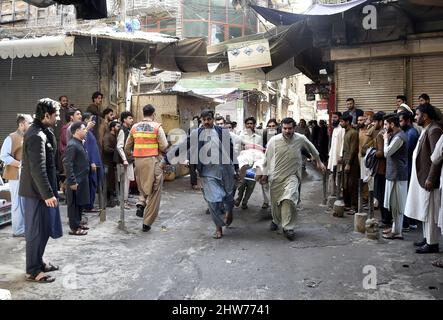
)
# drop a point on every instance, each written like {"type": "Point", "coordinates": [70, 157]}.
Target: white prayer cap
{"type": "Point", "coordinates": [405, 106]}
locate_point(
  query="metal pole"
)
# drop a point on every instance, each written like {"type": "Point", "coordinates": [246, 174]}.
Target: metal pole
{"type": "Point", "coordinates": [103, 195]}
{"type": "Point", "coordinates": [325, 187]}
{"type": "Point", "coordinates": [121, 172]}
{"type": "Point", "coordinates": [360, 195]}
{"type": "Point", "coordinates": [371, 198]}
{"type": "Point", "coordinates": [334, 184]}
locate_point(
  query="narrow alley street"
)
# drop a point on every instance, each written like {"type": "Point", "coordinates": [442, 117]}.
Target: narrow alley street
{"type": "Point", "coordinates": [178, 259]}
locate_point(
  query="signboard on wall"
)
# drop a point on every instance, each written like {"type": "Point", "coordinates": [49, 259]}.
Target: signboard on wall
{"type": "Point", "coordinates": [249, 55]}
{"type": "Point", "coordinates": [317, 88]}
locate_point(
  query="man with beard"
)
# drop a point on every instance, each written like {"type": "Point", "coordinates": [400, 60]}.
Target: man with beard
{"type": "Point", "coordinates": [302, 128]}
{"type": "Point", "coordinates": [11, 155]}
{"type": "Point", "coordinates": [126, 119]}
{"type": "Point", "coordinates": [336, 150]}
{"type": "Point", "coordinates": [362, 137]}
{"type": "Point", "coordinates": [211, 149]}
{"type": "Point", "coordinates": [38, 187]}
{"type": "Point", "coordinates": [95, 109]}
{"type": "Point", "coordinates": [351, 165]}
{"type": "Point", "coordinates": [352, 111]}
{"type": "Point", "coordinates": [108, 117]}
{"type": "Point", "coordinates": [109, 149]}
{"type": "Point", "coordinates": [406, 119]}
{"type": "Point", "coordinates": [270, 131]}
{"type": "Point", "coordinates": [423, 199]}
{"type": "Point", "coordinates": [146, 143]}
{"type": "Point", "coordinates": [76, 164]}
{"type": "Point", "coordinates": [380, 175]}
{"type": "Point", "coordinates": [396, 188]}
{"type": "Point", "coordinates": [283, 170]}
{"type": "Point", "coordinates": [96, 171]}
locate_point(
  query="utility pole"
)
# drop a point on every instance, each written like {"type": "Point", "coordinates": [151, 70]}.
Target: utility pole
{"type": "Point", "coordinates": [123, 10]}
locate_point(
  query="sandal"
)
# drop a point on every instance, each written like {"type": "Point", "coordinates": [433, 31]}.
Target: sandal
{"type": "Point", "coordinates": [41, 277]}
{"type": "Point", "coordinates": [387, 231]}
{"type": "Point", "coordinates": [438, 263]}
{"type": "Point", "coordinates": [84, 227]}
{"type": "Point", "coordinates": [392, 236]}
{"type": "Point", "coordinates": [48, 267]}
{"type": "Point", "coordinates": [228, 219]}
{"type": "Point", "coordinates": [217, 235]}
{"type": "Point", "coordinates": [78, 232]}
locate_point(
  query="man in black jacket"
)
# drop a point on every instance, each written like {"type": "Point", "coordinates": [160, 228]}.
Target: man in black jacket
{"type": "Point", "coordinates": [38, 187]}
{"type": "Point", "coordinates": [76, 164]}
{"type": "Point", "coordinates": [353, 111]}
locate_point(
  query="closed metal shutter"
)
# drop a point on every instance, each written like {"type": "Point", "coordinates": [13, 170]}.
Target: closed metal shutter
{"type": "Point", "coordinates": [427, 77]}
{"type": "Point", "coordinates": [24, 81]}
{"type": "Point", "coordinates": [373, 84]}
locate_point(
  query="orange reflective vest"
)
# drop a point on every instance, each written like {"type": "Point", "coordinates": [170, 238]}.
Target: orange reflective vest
{"type": "Point", "coordinates": [145, 139]}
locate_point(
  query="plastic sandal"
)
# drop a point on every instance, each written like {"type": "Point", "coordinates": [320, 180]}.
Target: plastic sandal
{"type": "Point", "coordinates": [228, 219]}
{"type": "Point", "coordinates": [78, 232]}
{"type": "Point", "coordinates": [45, 278]}
{"type": "Point", "coordinates": [48, 267]}
{"type": "Point", "coordinates": [217, 235]}
{"type": "Point", "coordinates": [438, 263]}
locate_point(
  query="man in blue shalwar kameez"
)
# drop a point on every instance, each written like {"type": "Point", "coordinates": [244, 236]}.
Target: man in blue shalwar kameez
{"type": "Point", "coordinates": [211, 149]}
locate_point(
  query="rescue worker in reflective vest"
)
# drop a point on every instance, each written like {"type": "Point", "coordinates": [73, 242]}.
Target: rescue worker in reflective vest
{"type": "Point", "coordinates": [146, 142]}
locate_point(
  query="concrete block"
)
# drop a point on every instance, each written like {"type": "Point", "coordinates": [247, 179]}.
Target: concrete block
{"type": "Point", "coordinates": [360, 222]}
{"type": "Point", "coordinates": [339, 208]}
{"type": "Point", "coordinates": [5, 294]}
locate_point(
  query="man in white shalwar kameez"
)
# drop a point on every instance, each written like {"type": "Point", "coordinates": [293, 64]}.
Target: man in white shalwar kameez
{"type": "Point", "coordinates": [336, 150]}
{"type": "Point", "coordinates": [396, 189]}
{"type": "Point", "coordinates": [424, 195]}
{"type": "Point", "coordinates": [283, 170]}
{"type": "Point", "coordinates": [437, 157]}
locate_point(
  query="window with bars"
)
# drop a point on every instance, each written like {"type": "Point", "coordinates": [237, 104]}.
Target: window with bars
{"type": "Point", "coordinates": [164, 25]}
{"type": "Point", "coordinates": [13, 11]}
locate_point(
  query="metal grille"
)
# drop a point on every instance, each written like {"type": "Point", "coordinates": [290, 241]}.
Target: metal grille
{"type": "Point", "coordinates": [427, 77]}
{"type": "Point", "coordinates": [373, 84]}
{"type": "Point", "coordinates": [24, 81]}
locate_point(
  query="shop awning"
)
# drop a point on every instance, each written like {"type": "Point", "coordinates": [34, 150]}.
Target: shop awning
{"type": "Point", "coordinates": [163, 51]}
{"type": "Point", "coordinates": [44, 46]}
{"type": "Point", "coordinates": [278, 17]}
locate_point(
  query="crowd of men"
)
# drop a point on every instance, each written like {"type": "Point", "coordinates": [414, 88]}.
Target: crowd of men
{"type": "Point", "coordinates": [397, 155]}
{"type": "Point", "coordinates": [62, 151]}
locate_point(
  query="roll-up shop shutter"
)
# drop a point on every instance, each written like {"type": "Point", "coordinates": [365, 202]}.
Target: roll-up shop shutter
{"type": "Point", "coordinates": [25, 80]}
{"type": "Point", "coordinates": [374, 84]}
{"type": "Point", "coordinates": [427, 77]}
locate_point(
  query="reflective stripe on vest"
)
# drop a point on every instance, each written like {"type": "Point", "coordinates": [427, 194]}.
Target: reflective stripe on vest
{"type": "Point", "coordinates": [145, 143]}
